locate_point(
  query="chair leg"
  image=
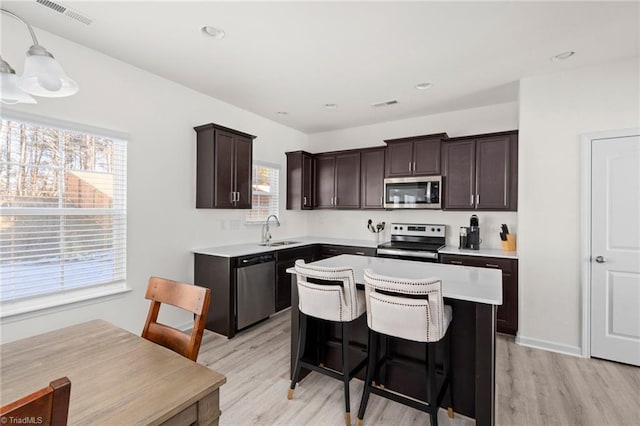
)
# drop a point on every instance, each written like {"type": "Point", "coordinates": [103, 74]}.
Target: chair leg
{"type": "Point", "coordinates": [345, 371]}
{"type": "Point", "coordinates": [302, 336]}
{"type": "Point", "coordinates": [433, 384]}
{"type": "Point", "coordinates": [369, 375]}
{"type": "Point", "coordinates": [384, 348]}
{"type": "Point", "coordinates": [447, 372]}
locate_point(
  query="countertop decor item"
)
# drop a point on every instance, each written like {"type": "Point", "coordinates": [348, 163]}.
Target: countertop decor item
{"type": "Point", "coordinates": [42, 76]}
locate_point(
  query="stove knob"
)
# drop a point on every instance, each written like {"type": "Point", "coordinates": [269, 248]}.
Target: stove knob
{"type": "Point", "coordinates": [438, 229]}
{"type": "Point", "coordinates": [395, 227]}
{"type": "Point", "coordinates": [433, 229]}
{"type": "Point", "coordinates": [401, 228]}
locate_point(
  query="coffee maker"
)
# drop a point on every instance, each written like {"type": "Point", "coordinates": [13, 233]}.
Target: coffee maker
{"type": "Point", "coordinates": [470, 235]}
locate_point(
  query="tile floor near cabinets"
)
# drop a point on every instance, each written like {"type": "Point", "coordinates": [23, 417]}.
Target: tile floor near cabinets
{"type": "Point", "coordinates": [533, 387]}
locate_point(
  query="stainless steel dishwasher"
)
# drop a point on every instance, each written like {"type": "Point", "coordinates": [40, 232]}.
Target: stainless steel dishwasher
{"type": "Point", "coordinates": [255, 288]}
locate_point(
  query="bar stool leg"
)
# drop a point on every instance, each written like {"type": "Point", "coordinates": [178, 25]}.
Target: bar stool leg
{"type": "Point", "coordinates": [345, 372]}
{"type": "Point", "coordinates": [384, 348]}
{"type": "Point", "coordinates": [447, 371]}
{"type": "Point", "coordinates": [433, 384]}
{"type": "Point", "coordinates": [369, 375]}
{"type": "Point", "coordinates": [302, 336]}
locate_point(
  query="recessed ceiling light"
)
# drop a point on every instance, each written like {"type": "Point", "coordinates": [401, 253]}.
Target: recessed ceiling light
{"type": "Point", "coordinates": [423, 86]}
{"type": "Point", "coordinates": [562, 56]}
{"type": "Point", "coordinates": [214, 32]}
{"type": "Point", "coordinates": [331, 106]}
{"type": "Point", "coordinates": [282, 113]}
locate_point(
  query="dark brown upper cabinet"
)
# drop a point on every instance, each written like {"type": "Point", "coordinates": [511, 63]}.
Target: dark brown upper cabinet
{"type": "Point", "coordinates": [481, 172]}
{"type": "Point", "coordinates": [300, 180]}
{"type": "Point", "coordinates": [223, 168]}
{"type": "Point", "coordinates": [338, 180]}
{"type": "Point", "coordinates": [414, 156]}
{"type": "Point", "coordinates": [372, 178]}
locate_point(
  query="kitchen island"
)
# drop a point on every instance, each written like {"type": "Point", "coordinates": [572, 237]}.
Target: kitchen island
{"type": "Point", "coordinates": [473, 293]}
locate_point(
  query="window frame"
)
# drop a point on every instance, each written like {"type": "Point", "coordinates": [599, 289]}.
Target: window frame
{"type": "Point", "coordinates": [274, 166]}
{"type": "Point", "coordinates": [17, 309]}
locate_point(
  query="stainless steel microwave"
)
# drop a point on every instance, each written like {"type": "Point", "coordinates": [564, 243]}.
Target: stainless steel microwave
{"type": "Point", "coordinates": [423, 192]}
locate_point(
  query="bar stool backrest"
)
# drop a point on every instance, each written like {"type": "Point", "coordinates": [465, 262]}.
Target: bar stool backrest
{"type": "Point", "coordinates": [334, 300]}
{"type": "Point", "coordinates": [405, 308]}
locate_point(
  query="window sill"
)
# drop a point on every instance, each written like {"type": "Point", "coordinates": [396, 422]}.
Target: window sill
{"type": "Point", "coordinates": [11, 311]}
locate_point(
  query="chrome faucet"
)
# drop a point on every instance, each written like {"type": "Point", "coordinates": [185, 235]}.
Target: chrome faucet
{"type": "Point", "coordinates": [266, 236]}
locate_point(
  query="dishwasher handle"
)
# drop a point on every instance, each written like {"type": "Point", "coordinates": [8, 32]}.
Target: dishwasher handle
{"type": "Point", "coordinates": [255, 259]}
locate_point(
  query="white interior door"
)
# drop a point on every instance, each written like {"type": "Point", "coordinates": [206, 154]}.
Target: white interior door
{"type": "Point", "coordinates": [615, 249]}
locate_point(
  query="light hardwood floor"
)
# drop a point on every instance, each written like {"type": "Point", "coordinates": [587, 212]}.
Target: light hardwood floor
{"type": "Point", "coordinates": [533, 387]}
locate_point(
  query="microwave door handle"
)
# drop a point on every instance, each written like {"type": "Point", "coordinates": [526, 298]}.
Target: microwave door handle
{"type": "Point", "coordinates": [428, 192]}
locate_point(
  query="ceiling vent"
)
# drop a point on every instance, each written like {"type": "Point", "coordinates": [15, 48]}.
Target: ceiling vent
{"type": "Point", "coordinates": [64, 10]}
{"type": "Point", "coordinates": [384, 103]}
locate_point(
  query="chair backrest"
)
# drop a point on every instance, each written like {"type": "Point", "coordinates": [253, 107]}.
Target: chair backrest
{"type": "Point", "coordinates": [405, 308]}
{"type": "Point", "coordinates": [186, 296]}
{"type": "Point", "coordinates": [47, 406]}
{"type": "Point", "coordinates": [334, 301]}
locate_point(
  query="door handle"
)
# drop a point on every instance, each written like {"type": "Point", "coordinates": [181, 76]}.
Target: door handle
{"type": "Point", "coordinates": [233, 197]}
{"type": "Point", "coordinates": [238, 199]}
{"type": "Point", "coordinates": [409, 165]}
{"type": "Point", "coordinates": [472, 199]}
{"type": "Point", "coordinates": [304, 201]}
{"type": "Point", "coordinates": [478, 199]}
{"type": "Point", "coordinates": [600, 259]}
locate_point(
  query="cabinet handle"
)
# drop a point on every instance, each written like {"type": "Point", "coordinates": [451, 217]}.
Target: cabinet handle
{"type": "Point", "coordinates": [304, 201]}
{"type": "Point", "coordinates": [477, 199]}
{"type": "Point", "coordinates": [414, 166]}
{"type": "Point", "coordinates": [233, 197]}
{"type": "Point", "coordinates": [491, 265]}
{"type": "Point", "coordinates": [361, 253]}
{"type": "Point", "coordinates": [409, 165]}
{"type": "Point", "coordinates": [238, 199]}
{"type": "Point", "coordinates": [471, 199]}
{"type": "Point", "coordinates": [456, 262]}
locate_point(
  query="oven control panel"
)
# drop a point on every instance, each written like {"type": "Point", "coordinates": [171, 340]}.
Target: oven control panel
{"type": "Point", "coordinates": [418, 229]}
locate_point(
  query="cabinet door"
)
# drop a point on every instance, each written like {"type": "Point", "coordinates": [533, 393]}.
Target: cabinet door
{"type": "Point", "coordinates": [492, 173]}
{"type": "Point", "coordinates": [307, 182]}
{"type": "Point", "coordinates": [399, 159]}
{"type": "Point", "coordinates": [372, 181]}
{"type": "Point", "coordinates": [223, 175]}
{"type": "Point", "coordinates": [459, 184]}
{"type": "Point", "coordinates": [325, 181]}
{"type": "Point", "coordinates": [426, 157]}
{"type": "Point", "coordinates": [243, 172]}
{"type": "Point", "coordinates": [283, 285]}
{"type": "Point", "coordinates": [347, 181]}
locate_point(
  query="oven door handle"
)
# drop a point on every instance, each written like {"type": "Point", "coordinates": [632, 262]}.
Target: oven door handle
{"type": "Point", "coordinates": [408, 253]}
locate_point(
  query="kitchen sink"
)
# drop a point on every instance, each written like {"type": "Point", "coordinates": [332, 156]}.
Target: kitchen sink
{"type": "Point", "coordinates": [279, 243]}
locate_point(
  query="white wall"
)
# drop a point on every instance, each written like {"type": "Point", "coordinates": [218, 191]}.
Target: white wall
{"type": "Point", "coordinates": [554, 111]}
{"type": "Point", "coordinates": [353, 224]}
{"type": "Point", "coordinates": [163, 224]}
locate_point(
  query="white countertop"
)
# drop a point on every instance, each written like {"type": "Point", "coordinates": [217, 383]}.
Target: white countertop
{"type": "Point", "coordinates": [236, 250]}
{"type": "Point", "coordinates": [484, 252]}
{"type": "Point", "coordinates": [480, 285]}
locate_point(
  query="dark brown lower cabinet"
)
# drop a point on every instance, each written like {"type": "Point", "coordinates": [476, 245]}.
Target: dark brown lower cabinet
{"type": "Point", "coordinates": [507, 315]}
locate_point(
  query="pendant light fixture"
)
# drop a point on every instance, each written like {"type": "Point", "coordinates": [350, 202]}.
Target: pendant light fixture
{"type": "Point", "coordinates": [43, 75]}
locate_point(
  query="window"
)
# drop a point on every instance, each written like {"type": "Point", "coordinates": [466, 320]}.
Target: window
{"type": "Point", "coordinates": [265, 190]}
{"type": "Point", "coordinates": [62, 209]}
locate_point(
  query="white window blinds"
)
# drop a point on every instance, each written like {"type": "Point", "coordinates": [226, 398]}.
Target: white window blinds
{"type": "Point", "coordinates": [62, 209]}
{"type": "Point", "coordinates": [265, 192]}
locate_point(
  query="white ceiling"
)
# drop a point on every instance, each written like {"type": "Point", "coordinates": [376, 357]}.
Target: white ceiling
{"type": "Point", "coordinates": [298, 56]}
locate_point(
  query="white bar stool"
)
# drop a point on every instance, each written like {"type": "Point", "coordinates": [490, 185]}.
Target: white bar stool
{"type": "Point", "coordinates": [329, 294]}
{"type": "Point", "coordinates": [410, 310]}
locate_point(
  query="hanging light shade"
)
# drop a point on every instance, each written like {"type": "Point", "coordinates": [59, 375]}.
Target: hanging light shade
{"type": "Point", "coordinates": [44, 76]}
{"type": "Point", "coordinates": [10, 92]}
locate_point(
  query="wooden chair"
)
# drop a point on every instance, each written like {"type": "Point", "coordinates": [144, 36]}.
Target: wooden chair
{"type": "Point", "coordinates": [186, 296]}
{"type": "Point", "coordinates": [47, 407]}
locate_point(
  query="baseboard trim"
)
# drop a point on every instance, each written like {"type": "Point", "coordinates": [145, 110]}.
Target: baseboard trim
{"type": "Point", "coordinates": [549, 346]}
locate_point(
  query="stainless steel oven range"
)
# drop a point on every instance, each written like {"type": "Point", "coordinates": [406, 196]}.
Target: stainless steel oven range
{"type": "Point", "coordinates": [414, 241]}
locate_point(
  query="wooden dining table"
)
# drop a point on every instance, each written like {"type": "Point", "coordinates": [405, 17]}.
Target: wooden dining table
{"type": "Point", "coordinates": [117, 378]}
